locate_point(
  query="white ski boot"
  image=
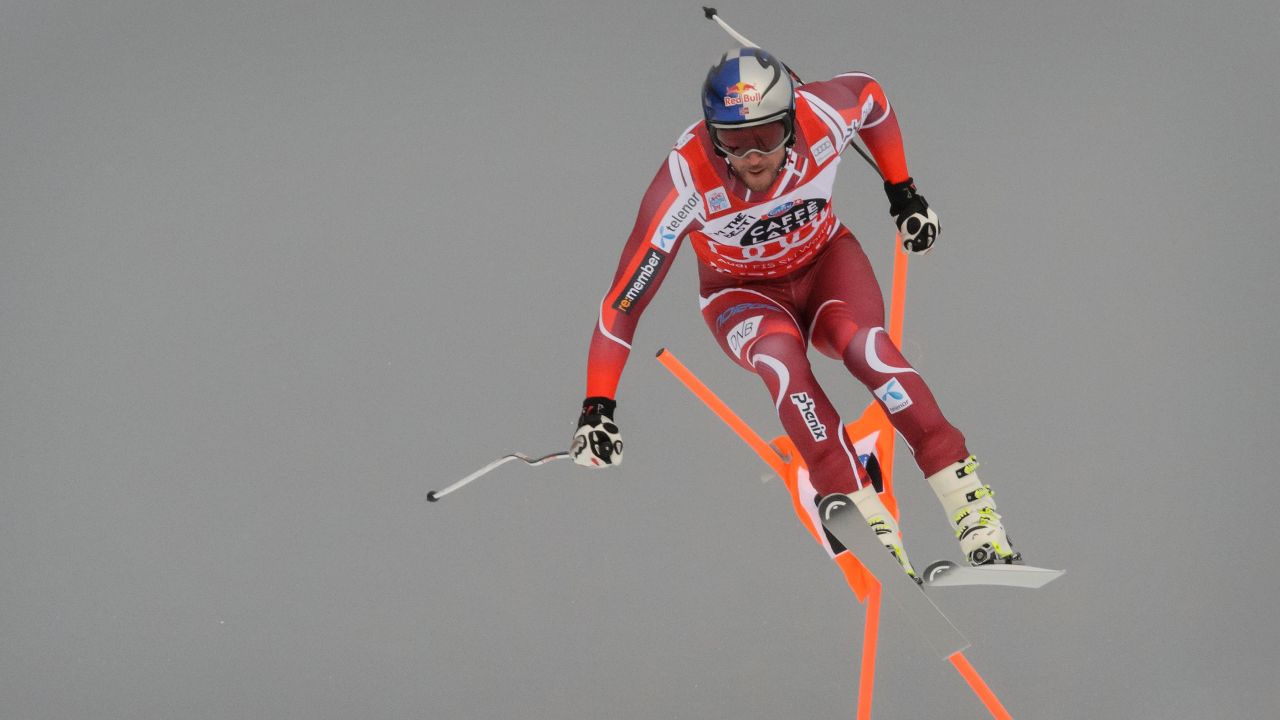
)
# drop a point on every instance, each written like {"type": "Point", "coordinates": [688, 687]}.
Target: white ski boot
{"type": "Point", "coordinates": [972, 510]}
{"type": "Point", "coordinates": [872, 508]}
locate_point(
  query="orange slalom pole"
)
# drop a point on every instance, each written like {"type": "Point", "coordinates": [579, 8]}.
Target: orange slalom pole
{"type": "Point", "coordinates": [870, 632]}
{"type": "Point", "coordinates": [979, 687]}
{"type": "Point", "coordinates": [897, 306]}
{"type": "Point", "coordinates": [898, 294]}
{"type": "Point", "coordinates": [730, 418]}
{"type": "Point", "coordinates": [771, 457]}
{"type": "Point", "coordinates": [897, 310]}
{"type": "Point", "coordinates": [862, 582]}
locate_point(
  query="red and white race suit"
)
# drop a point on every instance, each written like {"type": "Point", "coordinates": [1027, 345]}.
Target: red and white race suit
{"type": "Point", "coordinates": [778, 271]}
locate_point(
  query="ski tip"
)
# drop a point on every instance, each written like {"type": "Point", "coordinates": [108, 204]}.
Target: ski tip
{"type": "Point", "coordinates": [431, 496]}
{"type": "Point", "coordinates": [937, 569]}
{"type": "Point", "coordinates": [710, 11]}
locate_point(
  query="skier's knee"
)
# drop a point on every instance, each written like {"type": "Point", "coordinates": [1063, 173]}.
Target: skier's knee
{"type": "Point", "coordinates": [786, 347]}
{"type": "Point", "coordinates": [833, 329]}
{"type": "Point", "coordinates": [780, 360]}
{"type": "Point", "coordinates": [871, 348]}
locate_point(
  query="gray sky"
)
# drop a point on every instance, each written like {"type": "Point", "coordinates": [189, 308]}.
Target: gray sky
{"type": "Point", "coordinates": [271, 271]}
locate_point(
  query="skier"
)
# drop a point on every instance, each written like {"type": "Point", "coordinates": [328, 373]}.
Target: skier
{"type": "Point", "coordinates": [749, 187]}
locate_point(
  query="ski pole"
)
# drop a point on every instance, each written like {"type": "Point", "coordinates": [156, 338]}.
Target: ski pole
{"type": "Point", "coordinates": [712, 14]}
{"type": "Point", "coordinates": [435, 495]}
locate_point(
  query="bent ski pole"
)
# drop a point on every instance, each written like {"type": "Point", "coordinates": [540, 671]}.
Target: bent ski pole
{"type": "Point", "coordinates": [712, 14]}
{"type": "Point", "coordinates": [435, 495]}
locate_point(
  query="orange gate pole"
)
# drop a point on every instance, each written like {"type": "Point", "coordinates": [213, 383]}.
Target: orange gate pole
{"type": "Point", "coordinates": [864, 585]}
{"type": "Point", "coordinates": [976, 683]}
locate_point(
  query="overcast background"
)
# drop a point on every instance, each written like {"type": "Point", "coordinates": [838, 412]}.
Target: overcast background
{"type": "Point", "coordinates": [270, 271]}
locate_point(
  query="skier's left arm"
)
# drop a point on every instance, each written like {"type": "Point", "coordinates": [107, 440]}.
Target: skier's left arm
{"type": "Point", "coordinates": [669, 210]}
{"type": "Point", "coordinates": [865, 109]}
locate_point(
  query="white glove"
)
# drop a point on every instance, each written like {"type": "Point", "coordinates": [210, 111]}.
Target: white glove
{"type": "Point", "coordinates": [917, 222]}
{"type": "Point", "coordinates": [598, 441]}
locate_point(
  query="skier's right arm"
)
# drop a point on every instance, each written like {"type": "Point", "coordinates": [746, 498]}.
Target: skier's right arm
{"type": "Point", "coordinates": [667, 212]}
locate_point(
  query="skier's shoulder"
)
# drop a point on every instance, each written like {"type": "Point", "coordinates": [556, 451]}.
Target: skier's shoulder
{"type": "Point", "coordinates": [690, 150]}
{"type": "Point", "coordinates": [692, 134]}
{"type": "Point", "coordinates": [842, 89]}
{"type": "Point", "coordinates": [674, 177]}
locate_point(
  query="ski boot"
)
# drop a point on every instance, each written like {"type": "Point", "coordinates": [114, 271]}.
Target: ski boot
{"type": "Point", "coordinates": [872, 509]}
{"type": "Point", "coordinates": [972, 509]}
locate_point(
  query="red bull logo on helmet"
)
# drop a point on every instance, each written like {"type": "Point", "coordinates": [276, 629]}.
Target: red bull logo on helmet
{"type": "Point", "coordinates": [740, 93]}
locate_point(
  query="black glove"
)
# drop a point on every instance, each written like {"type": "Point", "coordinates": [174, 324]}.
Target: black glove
{"type": "Point", "coordinates": [597, 442]}
{"type": "Point", "coordinates": [917, 223]}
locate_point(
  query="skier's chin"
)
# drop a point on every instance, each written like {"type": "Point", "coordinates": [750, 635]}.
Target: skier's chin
{"type": "Point", "coordinates": [758, 171]}
{"type": "Point", "coordinates": [759, 180]}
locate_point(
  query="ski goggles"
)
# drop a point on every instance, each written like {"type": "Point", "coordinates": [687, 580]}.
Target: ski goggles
{"type": "Point", "coordinates": [739, 142]}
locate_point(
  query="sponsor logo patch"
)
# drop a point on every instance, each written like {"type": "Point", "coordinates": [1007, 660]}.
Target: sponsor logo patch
{"type": "Point", "coordinates": [866, 109]}
{"type": "Point", "coordinates": [783, 220]}
{"type": "Point", "coordinates": [639, 282]}
{"type": "Point", "coordinates": [805, 405]}
{"type": "Point", "coordinates": [894, 396]}
{"type": "Point", "coordinates": [739, 309]}
{"type": "Point", "coordinates": [740, 93]}
{"type": "Point", "coordinates": [777, 210]}
{"type": "Point", "coordinates": [675, 221]}
{"type": "Point", "coordinates": [824, 150]}
{"type": "Point", "coordinates": [717, 200]}
{"type": "Point", "coordinates": [734, 227]}
{"type": "Point", "coordinates": [742, 332]}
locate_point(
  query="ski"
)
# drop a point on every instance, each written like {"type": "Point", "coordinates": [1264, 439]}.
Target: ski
{"type": "Point", "coordinates": [842, 519]}
{"type": "Point", "coordinates": [947, 573]}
